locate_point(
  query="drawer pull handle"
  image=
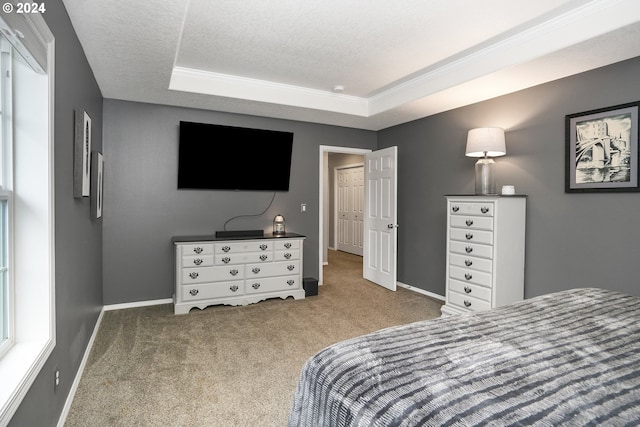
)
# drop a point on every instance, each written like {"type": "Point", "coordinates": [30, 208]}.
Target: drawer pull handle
{"type": "Point", "coordinates": [469, 222]}
{"type": "Point", "coordinates": [233, 272]}
{"type": "Point", "coordinates": [287, 245]}
{"type": "Point", "coordinates": [467, 289]}
{"type": "Point", "coordinates": [226, 260]}
{"type": "Point", "coordinates": [455, 208]}
{"type": "Point", "coordinates": [255, 270]}
{"type": "Point", "coordinates": [263, 257]}
{"type": "Point", "coordinates": [197, 261]}
{"type": "Point", "coordinates": [263, 247]}
{"type": "Point", "coordinates": [287, 255]}
{"type": "Point", "coordinates": [198, 250]}
{"type": "Point", "coordinates": [468, 276]}
{"type": "Point", "coordinates": [484, 209]}
{"type": "Point", "coordinates": [468, 249]}
{"type": "Point", "coordinates": [255, 285]}
{"type": "Point", "coordinates": [194, 292]}
{"type": "Point", "coordinates": [226, 249]}
{"type": "Point", "coordinates": [193, 275]}
{"type": "Point", "coordinates": [469, 236]}
{"type": "Point", "coordinates": [467, 303]}
{"type": "Point", "coordinates": [234, 288]}
{"type": "Point", "coordinates": [468, 262]}
{"type": "Point", "coordinates": [290, 282]}
{"type": "Point", "coordinates": [290, 267]}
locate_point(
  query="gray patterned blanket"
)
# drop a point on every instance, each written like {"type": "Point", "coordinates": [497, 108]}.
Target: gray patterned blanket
{"type": "Point", "coordinates": [569, 358]}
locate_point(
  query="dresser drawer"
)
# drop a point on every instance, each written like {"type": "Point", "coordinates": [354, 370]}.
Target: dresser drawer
{"type": "Point", "coordinates": [271, 284]}
{"type": "Point", "coordinates": [471, 222]}
{"type": "Point", "coordinates": [468, 302]}
{"type": "Point", "coordinates": [287, 255]}
{"type": "Point", "coordinates": [470, 276]}
{"type": "Point", "coordinates": [239, 247]}
{"type": "Point", "coordinates": [472, 262]}
{"type": "Point", "coordinates": [197, 261]}
{"type": "Point", "coordinates": [281, 245]}
{"type": "Point", "coordinates": [243, 258]}
{"type": "Point", "coordinates": [282, 268]}
{"type": "Point", "coordinates": [212, 290]}
{"type": "Point", "coordinates": [197, 249]}
{"type": "Point", "coordinates": [471, 290]}
{"type": "Point", "coordinates": [476, 236]}
{"type": "Point", "coordinates": [211, 274]}
{"type": "Point", "coordinates": [484, 251]}
{"type": "Point", "coordinates": [471, 208]}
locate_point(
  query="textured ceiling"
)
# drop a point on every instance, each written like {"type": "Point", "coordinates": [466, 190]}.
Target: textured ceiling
{"type": "Point", "coordinates": [397, 61]}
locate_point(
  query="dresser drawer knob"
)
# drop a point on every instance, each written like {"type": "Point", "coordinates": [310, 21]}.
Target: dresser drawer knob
{"type": "Point", "coordinates": [197, 261]}
{"type": "Point", "coordinates": [469, 236]}
{"type": "Point", "coordinates": [467, 303]}
{"type": "Point", "coordinates": [290, 282]}
{"type": "Point", "coordinates": [290, 267]}
{"type": "Point", "coordinates": [484, 209]}
{"type": "Point", "coordinates": [255, 285]}
{"type": "Point", "coordinates": [226, 249]}
{"type": "Point", "coordinates": [194, 292]}
{"type": "Point", "coordinates": [468, 249]}
{"type": "Point", "coordinates": [263, 247]}
{"type": "Point", "coordinates": [263, 257]}
{"type": "Point", "coordinates": [455, 208]}
{"type": "Point", "coordinates": [467, 289]}
{"type": "Point", "coordinates": [468, 262]}
{"type": "Point", "coordinates": [226, 260]}
{"type": "Point", "coordinates": [198, 250]}
{"type": "Point", "coordinates": [468, 276]}
{"type": "Point", "coordinates": [469, 222]}
{"type": "Point", "coordinates": [233, 272]}
{"type": "Point", "coordinates": [255, 270]}
{"type": "Point", "coordinates": [234, 288]}
{"type": "Point", "coordinates": [287, 255]}
{"type": "Point", "coordinates": [287, 245]}
{"type": "Point", "coordinates": [194, 275]}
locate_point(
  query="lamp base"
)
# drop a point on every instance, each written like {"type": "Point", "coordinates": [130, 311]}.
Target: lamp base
{"type": "Point", "coordinates": [485, 178]}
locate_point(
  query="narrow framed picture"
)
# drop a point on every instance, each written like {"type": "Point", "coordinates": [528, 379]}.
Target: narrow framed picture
{"type": "Point", "coordinates": [97, 167]}
{"type": "Point", "coordinates": [602, 150]}
{"type": "Point", "coordinates": [81, 155]}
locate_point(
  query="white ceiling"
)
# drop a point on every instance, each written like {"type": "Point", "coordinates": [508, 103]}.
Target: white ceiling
{"type": "Point", "coordinates": [398, 61]}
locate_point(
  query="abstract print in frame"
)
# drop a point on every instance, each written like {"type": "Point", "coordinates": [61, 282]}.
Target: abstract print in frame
{"type": "Point", "coordinates": [82, 155]}
{"type": "Point", "coordinates": [97, 168]}
{"type": "Point", "coordinates": [602, 150]}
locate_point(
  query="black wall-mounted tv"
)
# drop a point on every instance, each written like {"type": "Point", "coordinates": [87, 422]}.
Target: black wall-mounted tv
{"type": "Point", "coordinates": [216, 157]}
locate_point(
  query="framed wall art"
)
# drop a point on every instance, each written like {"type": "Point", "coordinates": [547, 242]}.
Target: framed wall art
{"type": "Point", "coordinates": [82, 155]}
{"type": "Point", "coordinates": [602, 150]}
{"type": "Point", "coordinates": [97, 168]}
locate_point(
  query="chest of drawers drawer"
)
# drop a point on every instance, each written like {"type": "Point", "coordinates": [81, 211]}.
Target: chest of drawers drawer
{"type": "Point", "coordinates": [469, 289]}
{"type": "Point", "coordinates": [198, 249]}
{"type": "Point", "coordinates": [472, 262]}
{"type": "Point", "coordinates": [212, 290]}
{"type": "Point", "coordinates": [271, 284]}
{"type": "Point", "coordinates": [471, 222]}
{"type": "Point", "coordinates": [243, 257]}
{"type": "Point", "coordinates": [197, 261]}
{"type": "Point", "coordinates": [484, 251]}
{"type": "Point", "coordinates": [467, 303]}
{"type": "Point", "coordinates": [240, 247]}
{"type": "Point", "coordinates": [470, 276]}
{"type": "Point", "coordinates": [471, 208]}
{"type": "Point", "coordinates": [286, 255]}
{"type": "Point", "coordinates": [476, 236]}
{"type": "Point", "coordinates": [211, 274]}
{"type": "Point", "coordinates": [272, 269]}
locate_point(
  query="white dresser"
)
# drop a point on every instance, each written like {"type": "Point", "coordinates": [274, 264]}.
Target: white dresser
{"type": "Point", "coordinates": [485, 252]}
{"type": "Point", "coordinates": [242, 271]}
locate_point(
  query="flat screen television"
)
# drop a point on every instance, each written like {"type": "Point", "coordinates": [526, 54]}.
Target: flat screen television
{"type": "Point", "coordinates": [216, 157]}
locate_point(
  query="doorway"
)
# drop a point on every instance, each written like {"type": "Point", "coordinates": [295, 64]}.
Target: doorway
{"type": "Point", "coordinates": [348, 211]}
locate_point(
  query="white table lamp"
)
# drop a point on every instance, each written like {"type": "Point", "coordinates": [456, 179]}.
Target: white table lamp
{"type": "Point", "coordinates": [485, 143]}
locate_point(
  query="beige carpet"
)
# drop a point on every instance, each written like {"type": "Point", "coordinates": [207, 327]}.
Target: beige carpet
{"type": "Point", "coordinates": [228, 366]}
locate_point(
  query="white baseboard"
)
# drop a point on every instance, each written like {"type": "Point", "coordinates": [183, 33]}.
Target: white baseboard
{"type": "Point", "coordinates": [76, 380]}
{"type": "Point", "coordinates": [421, 291]}
{"type": "Point", "coordinates": [138, 304]}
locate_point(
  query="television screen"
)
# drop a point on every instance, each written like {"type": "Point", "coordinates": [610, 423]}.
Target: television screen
{"type": "Point", "coordinates": [216, 157]}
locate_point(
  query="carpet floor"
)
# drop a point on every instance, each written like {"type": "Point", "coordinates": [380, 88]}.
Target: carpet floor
{"type": "Point", "coordinates": [228, 366]}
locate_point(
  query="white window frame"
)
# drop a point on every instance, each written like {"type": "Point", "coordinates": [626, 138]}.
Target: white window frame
{"type": "Point", "coordinates": [32, 201]}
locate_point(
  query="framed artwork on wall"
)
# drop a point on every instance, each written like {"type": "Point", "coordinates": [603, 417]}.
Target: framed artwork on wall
{"type": "Point", "coordinates": [602, 150]}
{"type": "Point", "coordinates": [97, 168]}
{"type": "Point", "coordinates": [81, 155]}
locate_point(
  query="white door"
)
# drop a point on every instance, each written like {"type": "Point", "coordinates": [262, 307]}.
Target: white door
{"type": "Point", "coordinates": [350, 207]}
{"type": "Point", "coordinates": [380, 226]}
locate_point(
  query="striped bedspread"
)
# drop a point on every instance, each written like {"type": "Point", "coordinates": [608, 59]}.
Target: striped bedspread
{"type": "Point", "coordinates": [569, 358]}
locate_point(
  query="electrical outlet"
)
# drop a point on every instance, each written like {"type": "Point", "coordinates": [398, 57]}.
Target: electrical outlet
{"type": "Point", "coordinates": [56, 379]}
{"type": "Point", "coordinates": [303, 207]}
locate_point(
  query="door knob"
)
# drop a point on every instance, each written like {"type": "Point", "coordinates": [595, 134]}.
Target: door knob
{"type": "Point", "coordinates": [392, 226]}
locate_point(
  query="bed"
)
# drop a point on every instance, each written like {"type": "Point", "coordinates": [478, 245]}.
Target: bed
{"type": "Point", "coordinates": [568, 358]}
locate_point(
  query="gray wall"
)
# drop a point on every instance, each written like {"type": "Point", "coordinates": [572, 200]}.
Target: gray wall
{"type": "Point", "coordinates": [78, 257]}
{"type": "Point", "coordinates": [573, 240]}
{"type": "Point", "coordinates": [143, 209]}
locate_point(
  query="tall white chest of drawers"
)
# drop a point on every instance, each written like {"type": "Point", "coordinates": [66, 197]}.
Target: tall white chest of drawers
{"type": "Point", "coordinates": [485, 252]}
{"type": "Point", "coordinates": [212, 271]}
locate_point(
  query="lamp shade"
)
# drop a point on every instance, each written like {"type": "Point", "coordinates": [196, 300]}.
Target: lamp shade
{"type": "Point", "coordinates": [483, 142]}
